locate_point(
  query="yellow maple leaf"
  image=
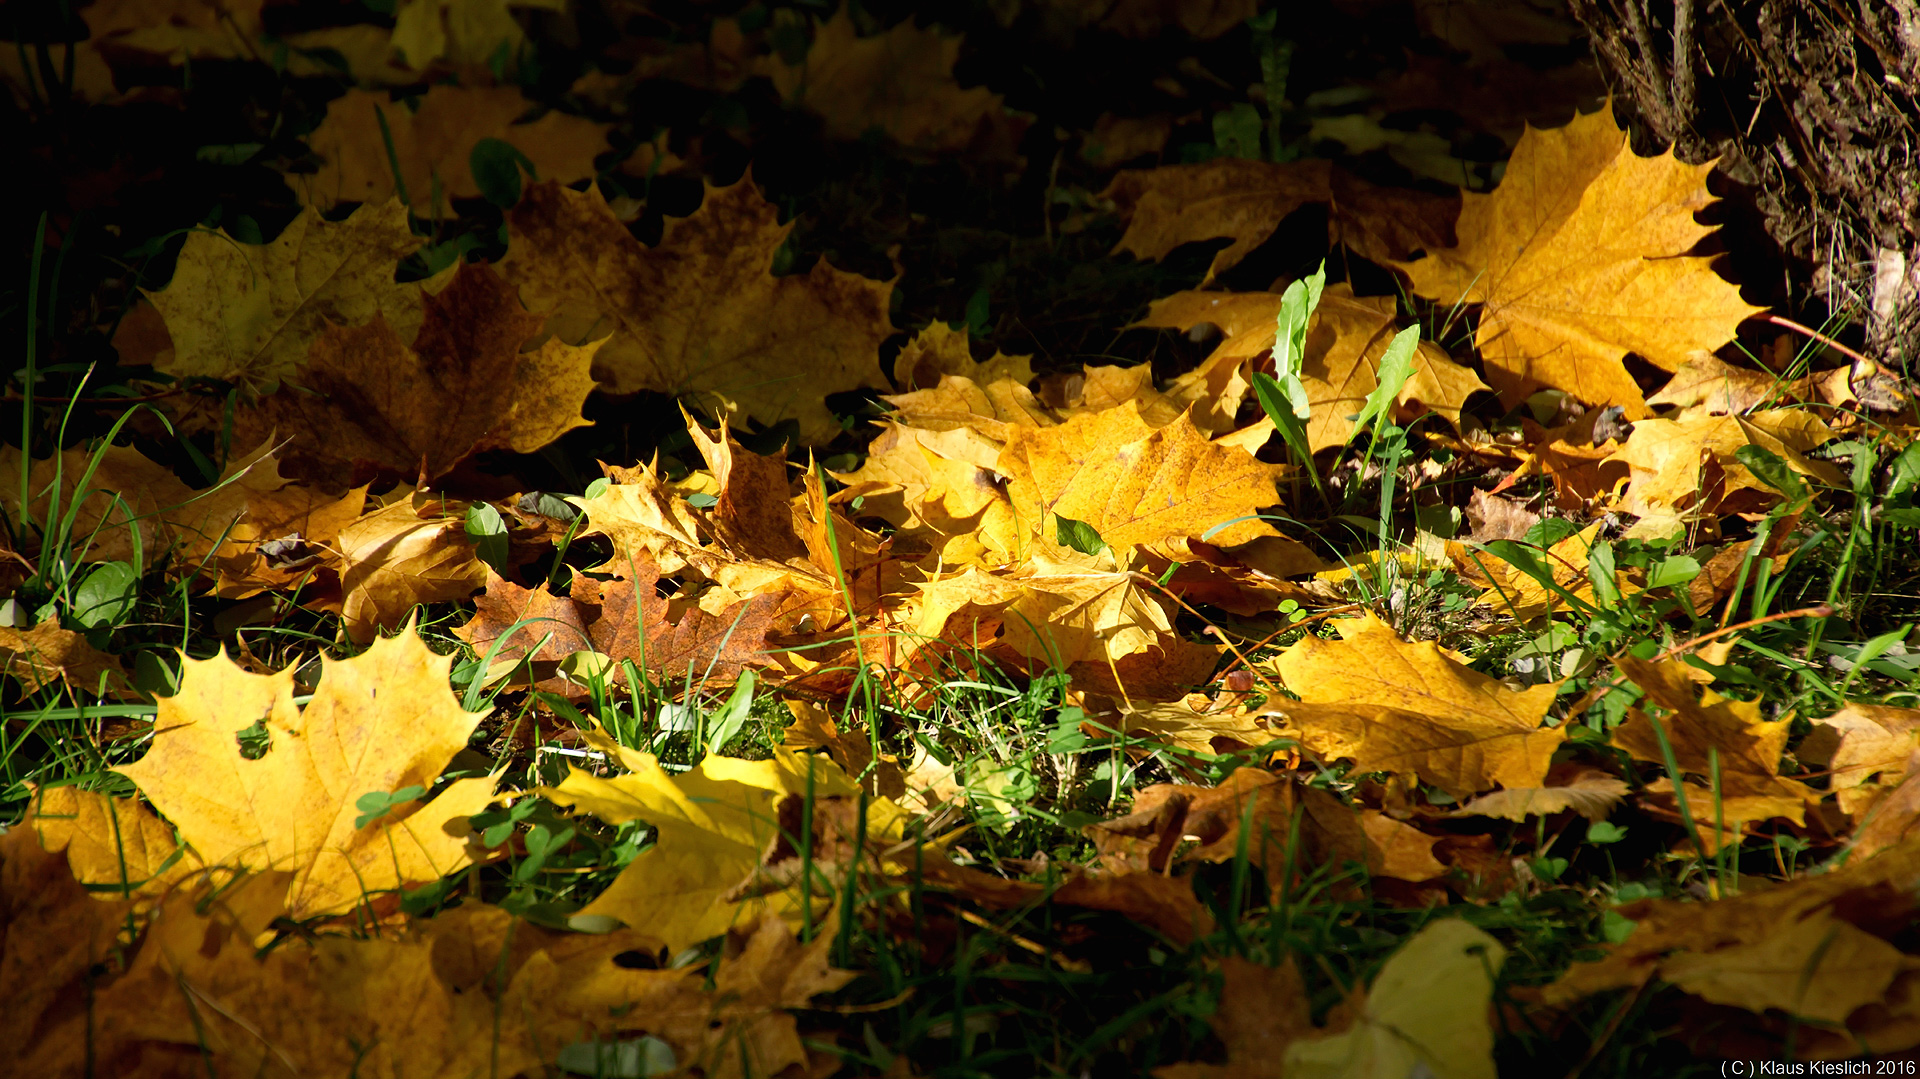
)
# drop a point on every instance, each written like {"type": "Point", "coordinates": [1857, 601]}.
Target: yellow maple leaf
{"type": "Point", "coordinates": [1408, 707]}
{"type": "Point", "coordinates": [57, 936]}
{"type": "Point", "coordinates": [378, 723]}
{"type": "Point", "coordinates": [942, 350]}
{"type": "Point", "coordinates": [372, 404]}
{"type": "Point", "coordinates": [1577, 259]}
{"type": "Point", "coordinates": [115, 844]}
{"type": "Point", "coordinates": [1819, 968]}
{"type": "Point", "coordinates": [1764, 933]}
{"type": "Point", "coordinates": [1708, 733]}
{"type": "Point", "coordinates": [1179, 204]}
{"type": "Point", "coordinates": [646, 520]}
{"type": "Point", "coordinates": [701, 313]}
{"type": "Point", "coordinates": [434, 144]}
{"type": "Point", "coordinates": [1346, 337]}
{"type": "Point", "coordinates": [464, 33]}
{"type": "Point", "coordinates": [900, 81]}
{"type": "Point", "coordinates": [714, 822]}
{"type": "Point", "coordinates": [1084, 617]}
{"type": "Point", "coordinates": [1865, 749]}
{"type": "Point", "coordinates": [1426, 1011]}
{"type": "Point", "coordinates": [1668, 462]}
{"type": "Point", "coordinates": [248, 313]}
{"type": "Point", "coordinates": [1135, 484]}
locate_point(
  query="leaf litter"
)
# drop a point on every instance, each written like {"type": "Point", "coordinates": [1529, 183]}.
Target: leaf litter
{"type": "Point", "coordinates": [1538, 708]}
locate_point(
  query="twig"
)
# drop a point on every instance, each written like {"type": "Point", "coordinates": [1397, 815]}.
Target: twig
{"type": "Point", "coordinates": [1585, 702]}
{"type": "Point", "coordinates": [1682, 64]}
{"type": "Point", "coordinates": [1304, 622]}
{"type": "Point", "coordinates": [1820, 337]}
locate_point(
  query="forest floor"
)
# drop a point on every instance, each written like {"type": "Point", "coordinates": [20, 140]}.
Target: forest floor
{"type": "Point", "coordinates": [1020, 537]}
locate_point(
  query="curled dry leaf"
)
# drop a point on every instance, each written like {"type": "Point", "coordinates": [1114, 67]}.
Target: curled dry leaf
{"type": "Point", "coordinates": [701, 313]}
{"type": "Point", "coordinates": [1591, 794]}
{"type": "Point", "coordinates": [372, 403]}
{"type": "Point", "coordinates": [397, 557]}
{"type": "Point", "coordinates": [1579, 258]}
{"type": "Point", "coordinates": [47, 655]}
{"type": "Point", "coordinates": [1410, 708]}
{"type": "Point", "coordinates": [379, 722]}
{"type": "Point", "coordinates": [434, 143]}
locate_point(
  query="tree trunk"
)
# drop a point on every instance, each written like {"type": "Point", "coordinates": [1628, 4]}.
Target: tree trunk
{"type": "Point", "coordinates": [1810, 104]}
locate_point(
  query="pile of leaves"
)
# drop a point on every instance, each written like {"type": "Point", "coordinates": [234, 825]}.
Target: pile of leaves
{"type": "Point", "coordinates": [608, 539]}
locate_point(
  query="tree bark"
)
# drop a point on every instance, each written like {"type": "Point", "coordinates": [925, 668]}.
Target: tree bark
{"type": "Point", "coordinates": [1812, 105]}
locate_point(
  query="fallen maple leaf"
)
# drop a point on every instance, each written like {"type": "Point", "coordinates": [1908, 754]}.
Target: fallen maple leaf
{"type": "Point", "coordinates": [1772, 953]}
{"type": "Point", "coordinates": [1178, 204]}
{"type": "Point", "coordinates": [1346, 337]}
{"type": "Point", "coordinates": [248, 313]}
{"type": "Point", "coordinates": [713, 823]}
{"type": "Point", "coordinates": [1262, 1010]}
{"type": "Point", "coordinates": [701, 313]}
{"type": "Point", "coordinates": [1407, 707]}
{"type": "Point", "coordinates": [199, 989]}
{"type": "Point", "coordinates": [47, 654]}
{"type": "Point", "coordinates": [284, 537]}
{"type": "Point", "coordinates": [1167, 815]}
{"type": "Point", "coordinates": [1102, 628]}
{"type": "Point", "coordinates": [53, 936]}
{"type": "Point", "coordinates": [1172, 205]}
{"type": "Point", "coordinates": [1686, 465]}
{"type": "Point", "coordinates": [380, 722]}
{"type": "Point", "coordinates": [646, 520]}
{"type": "Point", "coordinates": [463, 33]}
{"type": "Point", "coordinates": [1426, 1011]}
{"type": "Point", "coordinates": [114, 844]}
{"type": "Point", "coordinates": [1865, 750]}
{"type": "Point", "coordinates": [393, 559]}
{"type": "Point", "coordinates": [1699, 730]}
{"type": "Point", "coordinates": [1707, 381]}
{"type": "Point", "coordinates": [621, 619]}
{"type": "Point", "coordinates": [1589, 793]}
{"type": "Point", "coordinates": [434, 144]}
{"type": "Point", "coordinates": [177, 30]}
{"type": "Point", "coordinates": [1820, 968]}
{"type": "Point", "coordinates": [1578, 258]}
{"type": "Point", "coordinates": [899, 80]}
{"type": "Point", "coordinates": [1134, 484]}
{"type": "Point", "coordinates": [371, 403]}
